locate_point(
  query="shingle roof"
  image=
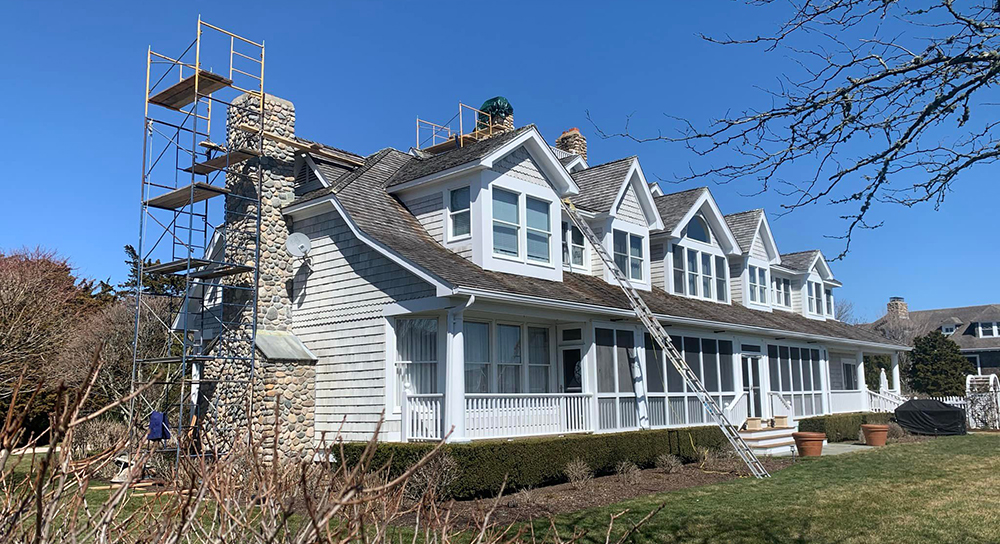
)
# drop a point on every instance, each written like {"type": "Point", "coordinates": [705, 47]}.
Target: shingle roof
{"type": "Point", "coordinates": [568, 159]}
{"type": "Point", "coordinates": [381, 216]}
{"type": "Point", "coordinates": [921, 322]}
{"type": "Point", "coordinates": [744, 227]}
{"type": "Point", "coordinates": [674, 207]}
{"type": "Point", "coordinates": [421, 167]}
{"type": "Point", "coordinates": [599, 184]}
{"type": "Point", "coordinates": [800, 260]}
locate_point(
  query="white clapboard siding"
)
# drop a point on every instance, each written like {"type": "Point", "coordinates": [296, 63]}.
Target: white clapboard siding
{"type": "Point", "coordinates": [657, 255]}
{"type": "Point", "coordinates": [596, 264]}
{"type": "Point", "coordinates": [519, 164]}
{"type": "Point", "coordinates": [629, 209]}
{"type": "Point", "coordinates": [736, 281]}
{"type": "Point", "coordinates": [797, 296]}
{"type": "Point", "coordinates": [338, 302]}
{"type": "Point", "coordinates": [757, 249]}
{"type": "Point", "coordinates": [429, 210]}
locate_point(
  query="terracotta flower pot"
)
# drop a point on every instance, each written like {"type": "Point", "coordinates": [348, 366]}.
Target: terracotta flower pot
{"type": "Point", "coordinates": [875, 434]}
{"type": "Point", "coordinates": [809, 444]}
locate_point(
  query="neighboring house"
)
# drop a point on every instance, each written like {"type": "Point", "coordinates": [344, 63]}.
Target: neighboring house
{"type": "Point", "coordinates": [445, 289]}
{"type": "Point", "coordinates": [976, 329]}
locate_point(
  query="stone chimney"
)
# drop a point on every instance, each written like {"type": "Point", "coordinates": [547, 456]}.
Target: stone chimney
{"type": "Point", "coordinates": [897, 308]}
{"type": "Point", "coordinates": [572, 141]}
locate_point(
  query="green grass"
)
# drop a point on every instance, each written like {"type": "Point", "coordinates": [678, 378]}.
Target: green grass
{"type": "Point", "coordinates": [944, 490]}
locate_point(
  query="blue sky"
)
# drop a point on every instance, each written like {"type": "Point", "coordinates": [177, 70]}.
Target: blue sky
{"type": "Point", "coordinates": [359, 73]}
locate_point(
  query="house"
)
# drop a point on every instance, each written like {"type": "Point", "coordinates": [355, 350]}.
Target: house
{"type": "Point", "coordinates": [446, 292]}
{"type": "Point", "coordinates": [976, 329]}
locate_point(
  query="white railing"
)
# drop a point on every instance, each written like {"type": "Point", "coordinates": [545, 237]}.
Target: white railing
{"type": "Point", "coordinates": [881, 402]}
{"type": "Point", "coordinates": [847, 401]}
{"type": "Point", "coordinates": [736, 411]}
{"type": "Point", "coordinates": [958, 402]}
{"type": "Point", "coordinates": [782, 407]}
{"type": "Point", "coordinates": [511, 415]}
{"type": "Point", "coordinates": [422, 417]}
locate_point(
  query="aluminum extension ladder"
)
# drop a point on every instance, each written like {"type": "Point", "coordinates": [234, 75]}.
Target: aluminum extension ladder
{"type": "Point", "coordinates": [661, 337]}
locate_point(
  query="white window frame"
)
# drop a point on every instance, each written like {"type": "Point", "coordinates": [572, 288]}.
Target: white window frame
{"type": "Point", "coordinates": [714, 275]}
{"type": "Point", "coordinates": [828, 302]}
{"type": "Point", "coordinates": [757, 287]}
{"type": "Point", "coordinates": [525, 354]}
{"type": "Point", "coordinates": [815, 299]}
{"type": "Point", "coordinates": [451, 213]}
{"type": "Point", "coordinates": [781, 291]}
{"type": "Point", "coordinates": [567, 242]}
{"type": "Point", "coordinates": [629, 258]}
{"type": "Point", "coordinates": [522, 229]}
{"type": "Point", "coordinates": [722, 396]}
{"type": "Point", "coordinates": [990, 326]}
{"type": "Point", "coordinates": [947, 330]}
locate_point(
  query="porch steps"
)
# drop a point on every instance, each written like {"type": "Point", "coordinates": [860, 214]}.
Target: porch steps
{"type": "Point", "coordinates": [770, 441]}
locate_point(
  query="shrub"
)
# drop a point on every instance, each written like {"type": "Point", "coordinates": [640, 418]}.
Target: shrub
{"type": "Point", "coordinates": [724, 460]}
{"type": "Point", "coordinates": [434, 479]}
{"type": "Point", "coordinates": [578, 474]}
{"type": "Point", "coordinates": [483, 466]}
{"type": "Point", "coordinates": [895, 431]}
{"type": "Point", "coordinates": [627, 473]}
{"type": "Point", "coordinates": [668, 463]}
{"type": "Point", "coordinates": [841, 427]}
{"type": "Point", "coordinates": [98, 436]}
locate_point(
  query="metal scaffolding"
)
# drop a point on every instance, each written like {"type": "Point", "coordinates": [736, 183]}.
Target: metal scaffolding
{"type": "Point", "coordinates": [189, 236]}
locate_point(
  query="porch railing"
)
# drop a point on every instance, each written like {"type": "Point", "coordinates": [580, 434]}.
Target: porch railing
{"type": "Point", "coordinates": [782, 407]}
{"type": "Point", "coordinates": [847, 401]}
{"type": "Point", "coordinates": [880, 402]}
{"type": "Point", "coordinates": [736, 411]}
{"type": "Point", "coordinates": [510, 415]}
{"type": "Point", "coordinates": [423, 417]}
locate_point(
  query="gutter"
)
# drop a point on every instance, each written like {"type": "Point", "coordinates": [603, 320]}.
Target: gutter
{"type": "Point", "coordinates": [593, 308]}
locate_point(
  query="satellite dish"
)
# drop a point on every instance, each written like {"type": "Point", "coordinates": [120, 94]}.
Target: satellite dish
{"type": "Point", "coordinates": [298, 244]}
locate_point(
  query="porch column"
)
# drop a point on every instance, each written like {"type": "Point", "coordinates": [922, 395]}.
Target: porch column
{"type": "Point", "coordinates": [824, 380]}
{"type": "Point", "coordinates": [862, 384]}
{"type": "Point", "coordinates": [896, 387]}
{"type": "Point", "coordinates": [454, 378]}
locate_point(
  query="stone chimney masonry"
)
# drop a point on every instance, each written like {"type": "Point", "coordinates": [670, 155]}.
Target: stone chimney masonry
{"type": "Point", "coordinates": [572, 141]}
{"type": "Point", "coordinates": [897, 308]}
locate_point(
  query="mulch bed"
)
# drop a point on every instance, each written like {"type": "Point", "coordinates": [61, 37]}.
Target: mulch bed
{"type": "Point", "coordinates": [545, 502]}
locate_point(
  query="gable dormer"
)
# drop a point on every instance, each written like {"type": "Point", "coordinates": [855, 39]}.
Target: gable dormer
{"type": "Point", "coordinates": [697, 245]}
{"type": "Point", "coordinates": [812, 283]}
{"type": "Point", "coordinates": [753, 278]}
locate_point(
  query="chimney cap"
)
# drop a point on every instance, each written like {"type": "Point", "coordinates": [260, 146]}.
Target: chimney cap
{"type": "Point", "coordinates": [896, 299]}
{"type": "Point", "coordinates": [571, 131]}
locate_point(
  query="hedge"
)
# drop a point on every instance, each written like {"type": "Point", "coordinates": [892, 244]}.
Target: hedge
{"type": "Point", "coordinates": [841, 427]}
{"type": "Point", "coordinates": [533, 462]}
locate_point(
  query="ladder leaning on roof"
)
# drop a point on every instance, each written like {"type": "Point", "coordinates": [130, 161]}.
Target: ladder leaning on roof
{"type": "Point", "coordinates": [657, 332]}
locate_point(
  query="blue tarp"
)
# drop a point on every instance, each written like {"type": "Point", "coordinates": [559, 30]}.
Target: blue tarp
{"type": "Point", "coordinates": [158, 429]}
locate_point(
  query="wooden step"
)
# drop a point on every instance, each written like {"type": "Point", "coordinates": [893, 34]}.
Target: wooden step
{"type": "Point", "coordinates": [182, 93]}
{"type": "Point", "coordinates": [183, 196]}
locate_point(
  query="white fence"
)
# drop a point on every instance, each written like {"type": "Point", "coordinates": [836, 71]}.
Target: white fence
{"type": "Point", "coordinates": [422, 417]}
{"type": "Point", "coordinates": [884, 401]}
{"type": "Point", "coordinates": [958, 402]}
{"type": "Point", "coordinates": [736, 411]}
{"type": "Point", "coordinates": [511, 415]}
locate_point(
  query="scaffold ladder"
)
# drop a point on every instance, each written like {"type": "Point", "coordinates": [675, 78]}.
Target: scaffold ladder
{"type": "Point", "coordinates": [660, 336]}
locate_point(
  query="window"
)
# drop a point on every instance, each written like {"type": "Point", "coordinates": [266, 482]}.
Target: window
{"type": "Point", "coordinates": [721, 285]}
{"type": "Point", "coordinates": [829, 302]}
{"type": "Point", "coordinates": [988, 330]}
{"type": "Point", "coordinates": [781, 291]}
{"type": "Point", "coordinates": [476, 339]}
{"type": "Point", "coordinates": [697, 229]}
{"type": "Point", "coordinates": [700, 274]}
{"type": "Point", "coordinates": [627, 249]}
{"type": "Point", "coordinates": [416, 355]}
{"type": "Point", "coordinates": [507, 227]}
{"type": "Point", "coordinates": [947, 330]}
{"type": "Point", "coordinates": [539, 232]}
{"type": "Point", "coordinates": [758, 284]}
{"type": "Point", "coordinates": [572, 245]}
{"type": "Point", "coordinates": [796, 374]}
{"type": "Point", "coordinates": [616, 359]}
{"type": "Point", "coordinates": [850, 376]}
{"type": "Point", "coordinates": [815, 298]}
{"type": "Point", "coordinates": [506, 223]}
{"type": "Point", "coordinates": [669, 401]}
{"type": "Point", "coordinates": [538, 360]}
{"type": "Point", "coordinates": [706, 275]}
{"type": "Point", "coordinates": [509, 358]}
{"type": "Point", "coordinates": [692, 268]}
{"type": "Point", "coordinates": [459, 217]}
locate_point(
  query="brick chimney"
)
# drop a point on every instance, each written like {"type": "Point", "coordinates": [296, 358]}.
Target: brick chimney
{"type": "Point", "coordinates": [572, 141]}
{"type": "Point", "coordinates": [897, 308]}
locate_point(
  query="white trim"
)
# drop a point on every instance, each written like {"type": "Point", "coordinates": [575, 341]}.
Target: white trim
{"type": "Point", "coordinates": [637, 180]}
{"type": "Point", "coordinates": [715, 220]}
{"type": "Point", "coordinates": [312, 164]}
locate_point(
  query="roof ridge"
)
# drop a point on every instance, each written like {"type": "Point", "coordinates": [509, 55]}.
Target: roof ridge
{"type": "Point", "coordinates": [702, 188]}
{"type": "Point", "coordinates": [744, 212]}
{"type": "Point", "coordinates": [607, 163]}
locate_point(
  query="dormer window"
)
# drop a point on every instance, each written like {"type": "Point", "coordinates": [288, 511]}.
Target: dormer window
{"type": "Point", "coordinates": [815, 292]}
{"type": "Point", "coordinates": [509, 223]}
{"type": "Point", "coordinates": [758, 284]}
{"type": "Point", "coordinates": [459, 219]}
{"type": "Point", "coordinates": [697, 229]}
{"type": "Point", "coordinates": [947, 330]}
{"type": "Point", "coordinates": [782, 292]}
{"type": "Point", "coordinates": [988, 330]}
{"type": "Point", "coordinates": [572, 245]}
{"type": "Point", "coordinates": [628, 253]}
{"type": "Point", "coordinates": [700, 274]}
{"type": "Point", "coordinates": [829, 302]}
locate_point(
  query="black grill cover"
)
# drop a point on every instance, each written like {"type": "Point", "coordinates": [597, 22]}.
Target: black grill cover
{"type": "Point", "coordinates": [926, 416]}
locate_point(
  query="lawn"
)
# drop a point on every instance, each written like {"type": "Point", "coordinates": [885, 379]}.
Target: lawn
{"type": "Point", "coordinates": [943, 490]}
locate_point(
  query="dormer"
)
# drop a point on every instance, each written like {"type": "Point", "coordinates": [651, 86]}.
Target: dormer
{"type": "Point", "coordinates": [755, 283]}
{"type": "Point", "coordinates": [493, 201]}
{"type": "Point", "coordinates": [616, 201]}
{"type": "Point", "coordinates": [697, 245]}
{"type": "Point", "coordinates": [950, 326]}
{"type": "Point", "coordinates": [812, 284]}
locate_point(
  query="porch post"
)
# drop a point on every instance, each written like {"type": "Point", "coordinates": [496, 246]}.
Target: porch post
{"type": "Point", "coordinates": [824, 380]}
{"type": "Point", "coordinates": [896, 387]}
{"type": "Point", "coordinates": [862, 384]}
{"type": "Point", "coordinates": [454, 379]}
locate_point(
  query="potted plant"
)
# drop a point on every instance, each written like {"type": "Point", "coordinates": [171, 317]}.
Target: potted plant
{"type": "Point", "coordinates": [875, 435]}
{"type": "Point", "coordinates": [809, 444]}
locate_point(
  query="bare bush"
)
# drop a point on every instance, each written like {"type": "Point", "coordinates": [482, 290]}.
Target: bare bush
{"type": "Point", "coordinates": [99, 436]}
{"type": "Point", "coordinates": [669, 464]}
{"type": "Point", "coordinates": [895, 431]}
{"type": "Point", "coordinates": [434, 479]}
{"type": "Point", "coordinates": [627, 473]}
{"type": "Point", "coordinates": [723, 460]}
{"type": "Point", "coordinates": [579, 474]}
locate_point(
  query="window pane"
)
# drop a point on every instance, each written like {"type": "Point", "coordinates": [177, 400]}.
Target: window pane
{"type": "Point", "coordinates": [504, 240]}
{"type": "Point", "coordinates": [635, 269]}
{"type": "Point", "coordinates": [772, 359]}
{"type": "Point", "coordinates": [460, 199]}
{"type": "Point", "coordinates": [679, 282]}
{"type": "Point", "coordinates": [538, 346]}
{"type": "Point", "coordinates": [621, 261]}
{"type": "Point", "coordinates": [476, 339]}
{"type": "Point", "coordinates": [815, 370]}
{"type": "Point", "coordinates": [675, 383]}
{"type": "Point", "coordinates": [635, 246]}
{"type": "Point", "coordinates": [692, 261]}
{"type": "Point", "coordinates": [620, 241]}
{"type": "Point", "coordinates": [538, 379]}
{"type": "Point", "coordinates": [461, 224]}
{"type": "Point", "coordinates": [605, 340]}
{"type": "Point", "coordinates": [692, 355]}
{"type": "Point", "coordinates": [796, 370]}
{"type": "Point", "coordinates": [698, 230]}
{"type": "Point", "coordinates": [654, 366]}
{"type": "Point", "coordinates": [577, 237]}
{"type": "Point", "coordinates": [786, 369]}
{"type": "Point", "coordinates": [570, 335]}
{"type": "Point", "coordinates": [508, 359]}
{"type": "Point", "coordinates": [726, 364]}
{"type": "Point", "coordinates": [577, 256]}
{"type": "Point", "coordinates": [626, 360]}
{"type": "Point", "coordinates": [720, 279]}
{"type": "Point", "coordinates": [537, 214]}
{"type": "Point", "coordinates": [505, 206]}
{"type": "Point", "coordinates": [416, 340]}
{"type": "Point", "coordinates": [538, 246]}
{"type": "Point", "coordinates": [710, 360]}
